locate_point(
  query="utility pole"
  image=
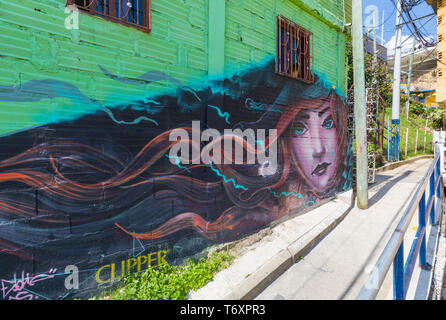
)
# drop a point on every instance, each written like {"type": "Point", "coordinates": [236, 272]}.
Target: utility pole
{"type": "Point", "coordinates": [382, 30]}
{"type": "Point", "coordinates": [374, 81]}
{"type": "Point", "coordinates": [360, 109]}
{"type": "Point", "coordinates": [409, 77]}
{"type": "Point", "coordinates": [375, 58]}
{"type": "Point", "coordinates": [394, 139]}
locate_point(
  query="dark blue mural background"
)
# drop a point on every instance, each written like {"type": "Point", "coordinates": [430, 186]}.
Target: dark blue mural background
{"type": "Point", "coordinates": [101, 189]}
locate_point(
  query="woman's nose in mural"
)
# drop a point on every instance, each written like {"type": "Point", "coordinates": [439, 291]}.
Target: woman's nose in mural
{"type": "Point", "coordinates": [318, 145]}
{"type": "Point", "coordinates": [314, 144]}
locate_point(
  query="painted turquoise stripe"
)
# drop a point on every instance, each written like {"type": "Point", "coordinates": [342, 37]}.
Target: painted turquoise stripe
{"type": "Point", "coordinates": [226, 180]}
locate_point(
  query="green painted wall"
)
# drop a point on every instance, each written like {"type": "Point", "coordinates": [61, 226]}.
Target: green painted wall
{"type": "Point", "coordinates": [251, 33]}
{"type": "Point", "coordinates": [69, 189]}
{"type": "Point", "coordinates": [35, 45]}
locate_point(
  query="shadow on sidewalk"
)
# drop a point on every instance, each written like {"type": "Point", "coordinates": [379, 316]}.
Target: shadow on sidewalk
{"type": "Point", "coordinates": [372, 201]}
{"type": "Point", "coordinates": [385, 188]}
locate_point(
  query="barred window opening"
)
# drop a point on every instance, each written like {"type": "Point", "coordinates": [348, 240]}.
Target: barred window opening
{"type": "Point", "coordinates": [134, 13]}
{"type": "Point", "coordinates": [294, 48]}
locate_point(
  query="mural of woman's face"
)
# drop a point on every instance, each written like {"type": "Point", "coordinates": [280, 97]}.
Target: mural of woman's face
{"type": "Point", "coordinates": [314, 144]}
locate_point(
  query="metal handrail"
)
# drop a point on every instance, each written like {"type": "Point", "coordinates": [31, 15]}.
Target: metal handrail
{"type": "Point", "coordinates": [393, 252]}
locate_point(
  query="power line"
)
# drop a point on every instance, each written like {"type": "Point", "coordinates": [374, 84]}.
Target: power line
{"type": "Point", "coordinates": [435, 59]}
{"type": "Point", "coordinates": [405, 23]}
{"type": "Point", "coordinates": [409, 37]}
{"type": "Point", "coordinates": [429, 55]}
{"type": "Point", "coordinates": [416, 30]}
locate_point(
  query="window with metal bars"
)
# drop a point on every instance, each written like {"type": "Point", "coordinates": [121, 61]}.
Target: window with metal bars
{"type": "Point", "coordinates": [134, 13]}
{"type": "Point", "coordinates": [294, 48]}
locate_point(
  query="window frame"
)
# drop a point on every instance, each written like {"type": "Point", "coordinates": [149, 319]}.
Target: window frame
{"type": "Point", "coordinates": [296, 31]}
{"type": "Point", "coordinates": [147, 14]}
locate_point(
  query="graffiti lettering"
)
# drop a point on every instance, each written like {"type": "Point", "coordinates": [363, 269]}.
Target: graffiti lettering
{"type": "Point", "coordinates": [108, 271]}
{"type": "Point", "coordinates": [16, 289]}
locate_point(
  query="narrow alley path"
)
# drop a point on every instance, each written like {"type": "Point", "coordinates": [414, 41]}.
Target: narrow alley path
{"type": "Point", "coordinates": [339, 265]}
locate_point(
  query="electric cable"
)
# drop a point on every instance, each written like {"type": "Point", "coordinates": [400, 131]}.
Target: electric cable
{"type": "Point", "coordinates": [416, 30]}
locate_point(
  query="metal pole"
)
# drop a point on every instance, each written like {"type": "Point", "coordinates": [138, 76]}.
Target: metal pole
{"type": "Point", "coordinates": [416, 143]}
{"type": "Point", "coordinates": [383, 125]}
{"type": "Point", "coordinates": [397, 66]}
{"type": "Point", "coordinates": [388, 139]}
{"type": "Point", "coordinates": [432, 194]}
{"type": "Point", "coordinates": [375, 59]}
{"type": "Point", "coordinates": [409, 77]}
{"type": "Point", "coordinates": [407, 135]}
{"type": "Point", "coordinates": [396, 85]}
{"type": "Point", "coordinates": [421, 224]}
{"type": "Point", "coordinates": [360, 110]}
{"type": "Point", "coordinates": [382, 30]}
{"type": "Point", "coordinates": [398, 274]}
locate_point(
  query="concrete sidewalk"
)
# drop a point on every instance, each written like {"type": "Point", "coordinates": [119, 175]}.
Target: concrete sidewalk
{"type": "Point", "coordinates": [270, 252]}
{"type": "Point", "coordinates": [339, 265]}
{"type": "Point", "coordinates": [335, 267]}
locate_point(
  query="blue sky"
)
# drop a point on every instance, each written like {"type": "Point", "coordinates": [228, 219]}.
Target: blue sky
{"type": "Point", "coordinates": [388, 7]}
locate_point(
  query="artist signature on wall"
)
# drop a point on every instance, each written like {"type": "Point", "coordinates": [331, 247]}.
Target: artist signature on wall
{"type": "Point", "coordinates": [19, 289]}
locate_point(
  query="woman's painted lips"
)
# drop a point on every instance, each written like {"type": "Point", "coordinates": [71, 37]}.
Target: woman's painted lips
{"type": "Point", "coordinates": [321, 169]}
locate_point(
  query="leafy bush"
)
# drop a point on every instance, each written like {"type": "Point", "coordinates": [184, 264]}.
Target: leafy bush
{"type": "Point", "coordinates": [167, 282]}
{"type": "Point", "coordinates": [436, 115]}
{"type": "Point", "coordinates": [417, 108]}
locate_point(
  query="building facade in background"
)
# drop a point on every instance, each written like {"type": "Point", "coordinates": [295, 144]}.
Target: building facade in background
{"type": "Point", "coordinates": [91, 92]}
{"type": "Point", "coordinates": [423, 83]}
{"type": "Point", "coordinates": [439, 8]}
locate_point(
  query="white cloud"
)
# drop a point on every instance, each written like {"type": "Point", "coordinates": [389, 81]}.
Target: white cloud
{"type": "Point", "coordinates": [406, 46]}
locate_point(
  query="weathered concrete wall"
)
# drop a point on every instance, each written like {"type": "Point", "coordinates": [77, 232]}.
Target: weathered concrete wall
{"type": "Point", "coordinates": [87, 174]}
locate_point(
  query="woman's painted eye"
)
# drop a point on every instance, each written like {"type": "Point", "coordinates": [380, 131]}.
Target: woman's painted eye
{"type": "Point", "coordinates": [328, 123]}
{"type": "Point", "coordinates": [300, 129]}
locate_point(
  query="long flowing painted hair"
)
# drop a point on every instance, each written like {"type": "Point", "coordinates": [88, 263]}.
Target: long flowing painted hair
{"type": "Point", "coordinates": [69, 197]}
